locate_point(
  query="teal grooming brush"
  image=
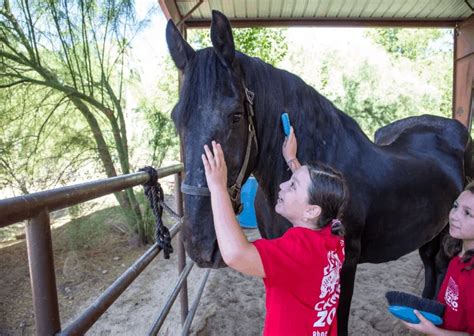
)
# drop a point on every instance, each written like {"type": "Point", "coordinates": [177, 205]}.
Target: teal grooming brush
{"type": "Point", "coordinates": [285, 121]}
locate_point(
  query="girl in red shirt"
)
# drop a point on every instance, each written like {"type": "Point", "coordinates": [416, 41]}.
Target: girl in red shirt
{"type": "Point", "coordinates": [301, 269]}
{"type": "Point", "coordinates": [457, 290]}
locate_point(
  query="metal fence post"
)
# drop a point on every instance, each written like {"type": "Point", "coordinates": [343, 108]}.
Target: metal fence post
{"type": "Point", "coordinates": [43, 279]}
{"type": "Point", "coordinates": [183, 295]}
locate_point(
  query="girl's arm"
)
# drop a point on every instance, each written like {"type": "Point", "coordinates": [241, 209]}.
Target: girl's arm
{"type": "Point", "coordinates": [235, 249]}
{"type": "Point", "coordinates": [428, 328]}
{"type": "Point", "coordinates": [289, 150]}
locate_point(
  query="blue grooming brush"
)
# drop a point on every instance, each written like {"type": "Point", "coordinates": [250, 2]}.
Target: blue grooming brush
{"type": "Point", "coordinates": [285, 121]}
{"type": "Point", "coordinates": [402, 305]}
{"type": "Point", "coordinates": [406, 314]}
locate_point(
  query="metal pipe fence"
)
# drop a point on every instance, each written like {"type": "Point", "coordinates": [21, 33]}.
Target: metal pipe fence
{"type": "Point", "coordinates": [36, 209]}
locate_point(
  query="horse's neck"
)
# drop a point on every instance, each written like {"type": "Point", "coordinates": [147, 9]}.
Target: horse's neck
{"type": "Point", "coordinates": [323, 132]}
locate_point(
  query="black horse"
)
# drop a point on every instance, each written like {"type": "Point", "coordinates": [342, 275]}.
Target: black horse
{"type": "Point", "coordinates": [401, 188]}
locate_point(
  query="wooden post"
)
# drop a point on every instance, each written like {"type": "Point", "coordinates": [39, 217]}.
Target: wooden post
{"type": "Point", "coordinates": [171, 11]}
{"type": "Point", "coordinates": [463, 71]}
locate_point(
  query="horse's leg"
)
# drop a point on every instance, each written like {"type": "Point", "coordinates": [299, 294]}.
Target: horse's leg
{"type": "Point", "coordinates": [435, 263]}
{"type": "Point", "coordinates": [348, 273]}
{"type": "Point", "coordinates": [428, 255]}
{"type": "Point", "coordinates": [441, 261]}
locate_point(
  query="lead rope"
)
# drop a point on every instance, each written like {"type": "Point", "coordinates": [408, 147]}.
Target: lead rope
{"type": "Point", "coordinates": [154, 193]}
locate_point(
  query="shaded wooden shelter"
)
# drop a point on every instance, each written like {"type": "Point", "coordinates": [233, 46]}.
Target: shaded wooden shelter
{"type": "Point", "coordinates": [455, 14]}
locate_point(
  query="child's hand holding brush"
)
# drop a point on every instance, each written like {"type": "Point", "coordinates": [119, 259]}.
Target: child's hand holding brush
{"type": "Point", "coordinates": [424, 326]}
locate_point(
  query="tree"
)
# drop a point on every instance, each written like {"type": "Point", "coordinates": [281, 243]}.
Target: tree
{"type": "Point", "coordinates": [413, 44]}
{"type": "Point", "coordinates": [372, 85]}
{"type": "Point", "coordinates": [50, 150]}
{"type": "Point", "coordinates": [429, 51]}
{"type": "Point", "coordinates": [76, 50]}
{"type": "Point", "coordinates": [156, 108]}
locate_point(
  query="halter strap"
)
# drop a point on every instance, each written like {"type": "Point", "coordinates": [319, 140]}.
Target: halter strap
{"type": "Point", "coordinates": [235, 189]}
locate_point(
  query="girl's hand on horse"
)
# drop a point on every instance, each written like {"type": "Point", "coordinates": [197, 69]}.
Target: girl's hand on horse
{"type": "Point", "coordinates": [215, 167]}
{"type": "Point", "coordinates": [425, 326]}
{"type": "Point", "coordinates": [290, 146]}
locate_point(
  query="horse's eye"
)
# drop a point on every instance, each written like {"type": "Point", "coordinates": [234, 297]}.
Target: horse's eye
{"type": "Point", "coordinates": [236, 117]}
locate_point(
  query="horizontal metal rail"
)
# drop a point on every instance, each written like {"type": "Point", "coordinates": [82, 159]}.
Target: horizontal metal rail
{"type": "Point", "coordinates": [20, 208]}
{"type": "Point", "coordinates": [105, 300]}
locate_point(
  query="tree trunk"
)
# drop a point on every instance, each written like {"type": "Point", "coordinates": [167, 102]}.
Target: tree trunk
{"type": "Point", "coordinates": [126, 199]}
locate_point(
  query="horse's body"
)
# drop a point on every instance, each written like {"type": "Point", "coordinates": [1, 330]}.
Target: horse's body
{"type": "Point", "coordinates": [401, 187]}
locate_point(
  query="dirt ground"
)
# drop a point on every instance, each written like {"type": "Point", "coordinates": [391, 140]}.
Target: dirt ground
{"type": "Point", "coordinates": [82, 272]}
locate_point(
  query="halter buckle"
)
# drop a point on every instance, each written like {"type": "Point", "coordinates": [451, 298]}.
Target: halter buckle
{"type": "Point", "coordinates": [234, 193]}
{"type": "Point", "coordinates": [249, 95]}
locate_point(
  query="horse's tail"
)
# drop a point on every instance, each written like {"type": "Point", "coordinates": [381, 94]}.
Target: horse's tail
{"type": "Point", "coordinates": [468, 160]}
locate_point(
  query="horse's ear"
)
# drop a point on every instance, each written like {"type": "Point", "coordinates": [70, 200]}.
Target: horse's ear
{"type": "Point", "coordinates": [181, 52]}
{"type": "Point", "coordinates": [221, 37]}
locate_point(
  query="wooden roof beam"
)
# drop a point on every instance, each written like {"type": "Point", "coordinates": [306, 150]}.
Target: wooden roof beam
{"type": "Point", "coordinates": [315, 22]}
{"type": "Point", "coordinates": [170, 10]}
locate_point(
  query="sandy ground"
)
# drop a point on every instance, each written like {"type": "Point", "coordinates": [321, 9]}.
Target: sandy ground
{"type": "Point", "coordinates": [233, 304]}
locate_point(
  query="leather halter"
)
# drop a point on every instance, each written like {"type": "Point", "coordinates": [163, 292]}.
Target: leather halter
{"type": "Point", "coordinates": [234, 190]}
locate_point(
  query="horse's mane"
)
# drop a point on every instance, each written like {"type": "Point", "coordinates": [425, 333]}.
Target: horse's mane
{"type": "Point", "coordinates": [318, 123]}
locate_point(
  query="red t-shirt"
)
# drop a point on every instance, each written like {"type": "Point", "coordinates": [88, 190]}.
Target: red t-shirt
{"type": "Point", "coordinates": [457, 293]}
{"type": "Point", "coordinates": [302, 281]}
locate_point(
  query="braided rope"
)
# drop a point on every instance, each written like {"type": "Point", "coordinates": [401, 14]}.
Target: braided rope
{"type": "Point", "coordinates": [155, 195]}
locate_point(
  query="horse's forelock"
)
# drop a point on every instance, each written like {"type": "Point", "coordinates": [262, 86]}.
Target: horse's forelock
{"type": "Point", "coordinates": [206, 80]}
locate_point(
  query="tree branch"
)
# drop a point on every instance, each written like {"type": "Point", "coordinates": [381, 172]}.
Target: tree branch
{"type": "Point", "coordinates": [63, 44]}
{"type": "Point", "coordinates": [31, 31]}
{"type": "Point", "coordinates": [4, 86]}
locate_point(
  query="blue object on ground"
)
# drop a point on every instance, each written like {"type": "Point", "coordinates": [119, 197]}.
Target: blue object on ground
{"type": "Point", "coordinates": [247, 218]}
{"type": "Point", "coordinates": [406, 314]}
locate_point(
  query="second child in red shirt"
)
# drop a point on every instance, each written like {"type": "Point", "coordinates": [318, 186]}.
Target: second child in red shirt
{"type": "Point", "coordinates": [457, 289]}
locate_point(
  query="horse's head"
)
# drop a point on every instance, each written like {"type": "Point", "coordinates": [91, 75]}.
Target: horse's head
{"type": "Point", "coordinates": [213, 105]}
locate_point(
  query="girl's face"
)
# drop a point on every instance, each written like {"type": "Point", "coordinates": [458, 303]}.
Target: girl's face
{"type": "Point", "coordinates": [293, 196]}
{"type": "Point", "coordinates": [461, 218]}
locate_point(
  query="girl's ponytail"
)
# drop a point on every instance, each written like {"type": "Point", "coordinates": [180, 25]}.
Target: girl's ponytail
{"type": "Point", "coordinates": [337, 228]}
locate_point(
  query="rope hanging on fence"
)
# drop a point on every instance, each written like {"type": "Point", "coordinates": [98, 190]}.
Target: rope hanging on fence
{"type": "Point", "coordinates": [154, 193]}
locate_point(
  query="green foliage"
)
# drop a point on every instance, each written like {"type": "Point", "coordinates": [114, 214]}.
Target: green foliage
{"type": "Point", "coordinates": [163, 142]}
{"type": "Point", "coordinates": [429, 53]}
{"type": "Point", "coordinates": [50, 150]}
{"type": "Point", "coordinates": [77, 52]}
{"type": "Point", "coordinates": [376, 87]}
{"type": "Point", "coordinates": [157, 142]}
{"type": "Point", "coordinates": [269, 44]}
{"type": "Point", "coordinates": [164, 135]}
{"type": "Point", "coordinates": [413, 44]}
{"type": "Point", "coordinates": [362, 100]}
{"type": "Point", "coordinates": [374, 103]}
